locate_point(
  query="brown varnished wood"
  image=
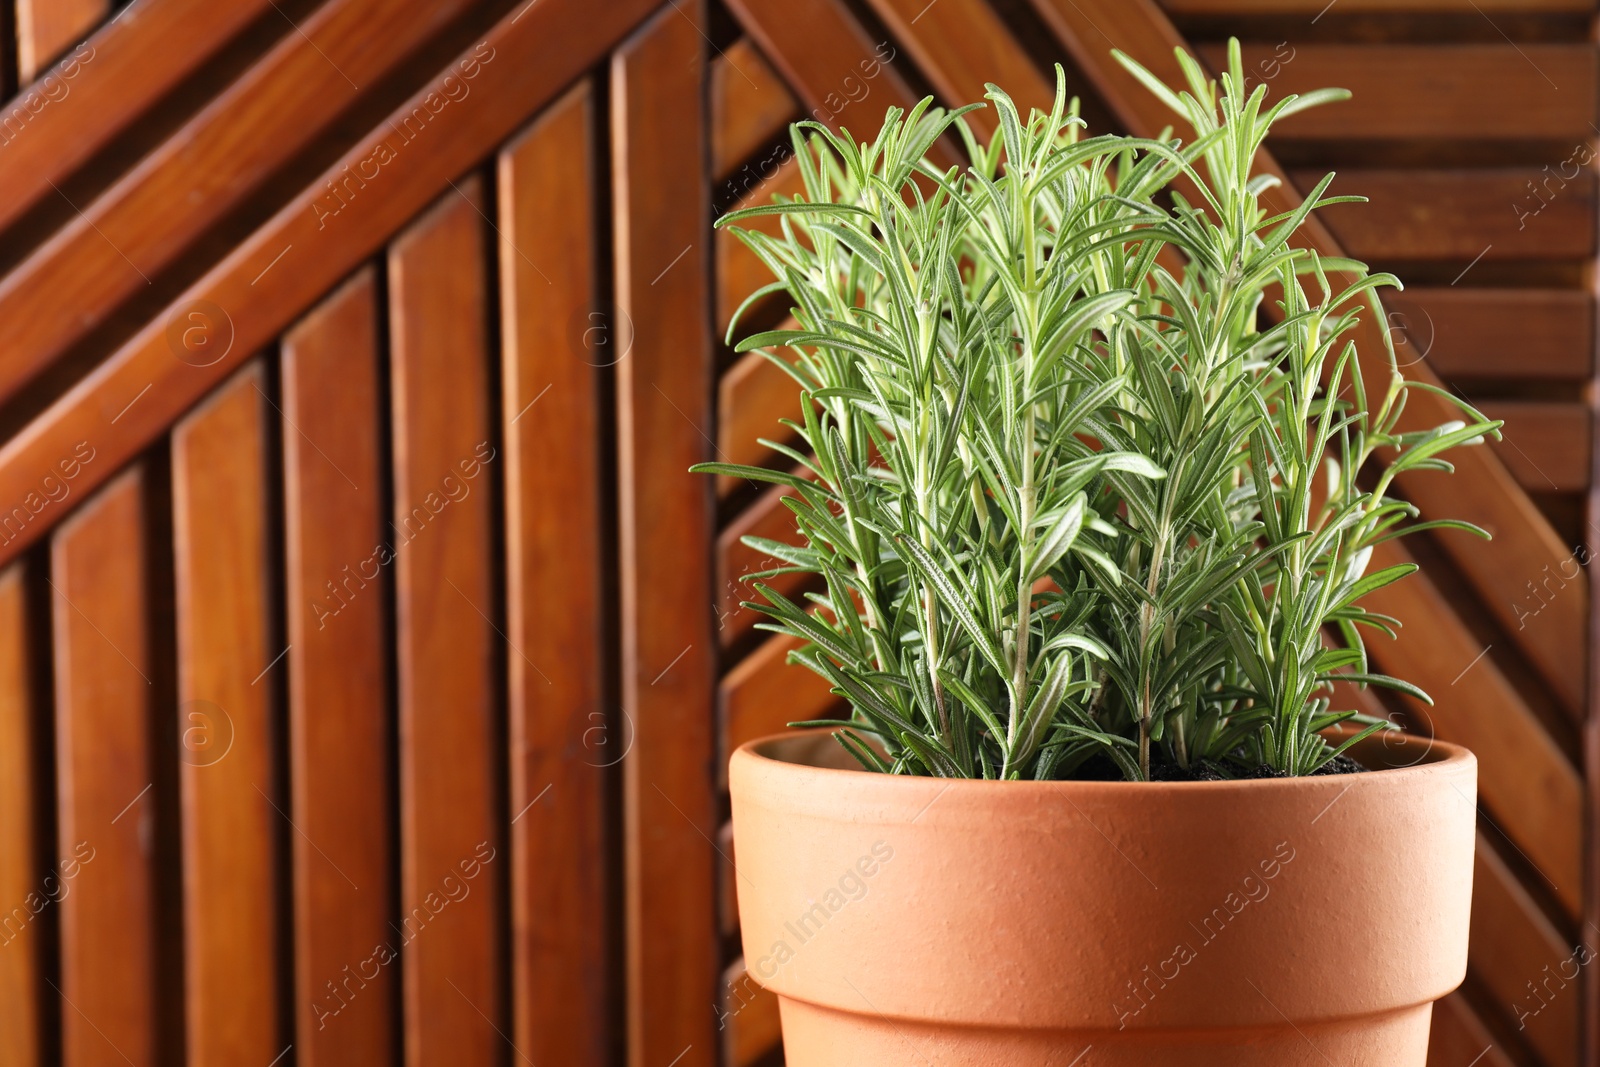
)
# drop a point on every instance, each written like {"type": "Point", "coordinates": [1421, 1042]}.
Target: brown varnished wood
{"type": "Point", "coordinates": [664, 416]}
{"type": "Point", "coordinates": [1525, 783]}
{"type": "Point", "coordinates": [451, 734]}
{"type": "Point", "coordinates": [960, 45]}
{"type": "Point", "coordinates": [1524, 334]}
{"type": "Point", "coordinates": [750, 107]}
{"type": "Point", "coordinates": [104, 775]}
{"type": "Point", "coordinates": [70, 284]}
{"type": "Point", "coordinates": [1459, 214]}
{"type": "Point", "coordinates": [101, 86]}
{"type": "Point", "coordinates": [1459, 1036]}
{"type": "Point", "coordinates": [753, 395]}
{"type": "Point", "coordinates": [523, 74]}
{"type": "Point", "coordinates": [740, 271]}
{"type": "Point", "coordinates": [767, 516]}
{"type": "Point", "coordinates": [1518, 956]}
{"type": "Point", "coordinates": [561, 748]}
{"type": "Point", "coordinates": [22, 882]}
{"type": "Point", "coordinates": [47, 28]}
{"type": "Point", "coordinates": [232, 809]}
{"type": "Point", "coordinates": [1436, 91]}
{"type": "Point", "coordinates": [1545, 444]}
{"type": "Point", "coordinates": [1483, 491]}
{"type": "Point", "coordinates": [339, 572]}
{"type": "Point", "coordinates": [764, 693]}
{"type": "Point", "coordinates": [747, 1017]}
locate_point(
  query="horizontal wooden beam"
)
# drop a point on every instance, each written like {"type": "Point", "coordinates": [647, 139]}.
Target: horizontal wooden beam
{"type": "Point", "coordinates": [1526, 334]}
{"type": "Point", "coordinates": [1546, 445]}
{"type": "Point", "coordinates": [1435, 91]}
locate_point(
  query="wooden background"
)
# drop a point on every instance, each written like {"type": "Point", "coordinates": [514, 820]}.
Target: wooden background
{"type": "Point", "coordinates": [368, 661]}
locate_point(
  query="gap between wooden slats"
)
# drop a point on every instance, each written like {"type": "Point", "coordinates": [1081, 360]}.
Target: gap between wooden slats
{"type": "Point", "coordinates": [339, 579]}
{"type": "Point", "coordinates": [451, 735]}
{"type": "Point", "coordinates": [564, 743]}
{"type": "Point", "coordinates": [664, 424]}
{"type": "Point", "coordinates": [233, 813]}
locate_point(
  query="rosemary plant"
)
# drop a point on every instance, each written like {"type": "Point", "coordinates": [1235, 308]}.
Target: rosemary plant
{"type": "Point", "coordinates": [1071, 490]}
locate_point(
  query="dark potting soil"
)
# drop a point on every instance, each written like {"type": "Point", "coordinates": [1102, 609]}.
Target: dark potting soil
{"type": "Point", "coordinates": [1101, 769]}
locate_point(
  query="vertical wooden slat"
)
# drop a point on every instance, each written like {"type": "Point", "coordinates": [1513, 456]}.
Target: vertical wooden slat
{"type": "Point", "coordinates": [46, 28]}
{"type": "Point", "coordinates": [665, 517]}
{"type": "Point", "coordinates": [445, 598]}
{"type": "Point", "coordinates": [23, 892]}
{"type": "Point", "coordinates": [231, 809]}
{"type": "Point", "coordinates": [338, 550]}
{"type": "Point", "coordinates": [104, 778]}
{"type": "Point", "coordinates": [560, 965]}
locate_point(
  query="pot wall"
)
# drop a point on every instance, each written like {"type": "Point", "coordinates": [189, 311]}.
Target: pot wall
{"type": "Point", "coordinates": [1144, 913]}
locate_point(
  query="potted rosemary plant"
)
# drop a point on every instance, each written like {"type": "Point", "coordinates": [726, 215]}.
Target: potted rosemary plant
{"type": "Point", "coordinates": [1088, 481]}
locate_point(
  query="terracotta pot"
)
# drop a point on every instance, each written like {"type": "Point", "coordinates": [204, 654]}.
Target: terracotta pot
{"type": "Point", "coordinates": [1262, 923]}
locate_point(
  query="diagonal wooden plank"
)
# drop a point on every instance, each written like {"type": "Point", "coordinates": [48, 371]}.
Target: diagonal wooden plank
{"type": "Point", "coordinates": [1482, 491]}
{"type": "Point", "coordinates": [23, 887]}
{"type": "Point", "coordinates": [93, 93]}
{"type": "Point", "coordinates": [561, 750]}
{"type": "Point", "coordinates": [750, 106]}
{"type": "Point", "coordinates": [232, 811]}
{"type": "Point", "coordinates": [339, 734]}
{"type": "Point", "coordinates": [295, 93]}
{"type": "Point", "coordinates": [665, 520]}
{"type": "Point", "coordinates": [450, 729]}
{"type": "Point", "coordinates": [1459, 1037]}
{"type": "Point", "coordinates": [137, 393]}
{"type": "Point", "coordinates": [105, 772]}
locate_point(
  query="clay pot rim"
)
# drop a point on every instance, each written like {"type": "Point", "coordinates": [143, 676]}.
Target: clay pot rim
{"type": "Point", "coordinates": [1439, 756]}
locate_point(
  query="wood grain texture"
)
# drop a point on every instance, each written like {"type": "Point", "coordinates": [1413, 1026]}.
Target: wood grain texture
{"type": "Point", "coordinates": [104, 775]}
{"type": "Point", "coordinates": [1482, 491]}
{"type": "Point", "coordinates": [232, 812]}
{"type": "Point", "coordinates": [740, 271]}
{"type": "Point", "coordinates": [517, 74]}
{"type": "Point", "coordinates": [1520, 958]}
{"type": "Point", "coordinates": [561, 744]}
{"type": "Point", "coordinates": [1525, 334]}
{"type": "Point", "coordinates": [1500, 214]}
{"type": "Point", "coordinates": [23, 890]}
{"type": "Point", "coordinates": [1547, 445]}
{"type": "Point", "coordinates": [339, 556]}
{"type": "Point", "coordinates": [89, 96]}
{"type": "Point", "coordinates": [70, 284]}
{"type": "Point", "coordinates": [450, 727]}
{"type": "Point", "coordinates": [664, 418]}
{"type": "Point", "coordinates": [47, 28]}
{"type": "Point", "coordinates": [1438, 91]}
{"type": "Point", "coordinates": [750, 107]}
